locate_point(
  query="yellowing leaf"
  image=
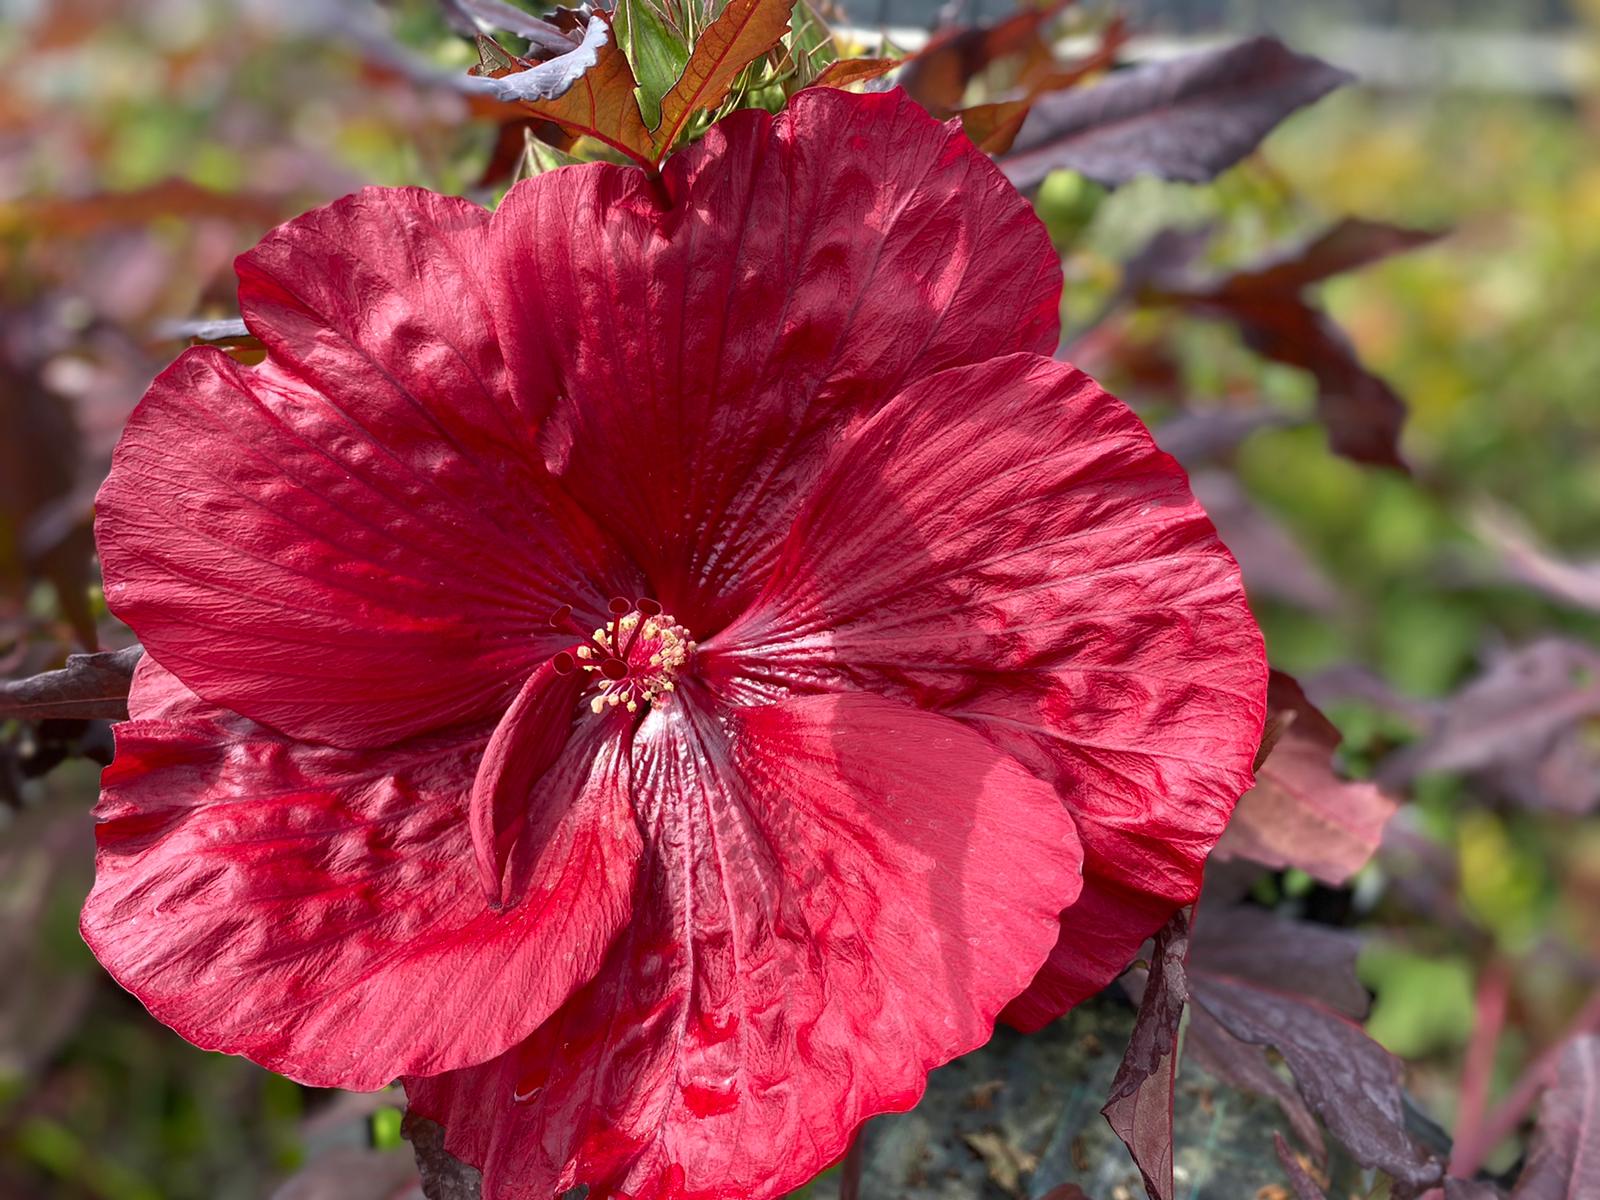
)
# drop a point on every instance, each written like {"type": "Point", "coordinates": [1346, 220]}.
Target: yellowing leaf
{"type": "Point", "coordinates": [742, 33]}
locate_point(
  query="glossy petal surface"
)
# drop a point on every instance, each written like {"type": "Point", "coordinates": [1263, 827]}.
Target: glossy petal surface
{"type": "Point", "coordinates": [1004, 543]}
{"type": "Point", "coordinates": [705, 337]}
{"type": "Point", "coordinates": [354, 541]}
{"type": "Point", "coordinates": [319, 910]}
{"type": "Point", "coordinates": [842, 893]}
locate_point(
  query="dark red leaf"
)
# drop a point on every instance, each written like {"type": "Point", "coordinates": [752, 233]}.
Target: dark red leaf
{"type": "Point", "coordinates": [936, 77]}
{"type": "Point", "coordinates": [1301, 813]}
{"type": "Point", "coordinates": [1346, 246]}
{"type": "Point", "coordinates": [1186, 119]}
{"type": "Point", "coordinates": [1248, 1068]}
{"type": "Point", "coordinates": [1564, 1161]}
{"type": "Point", "coordinates": [1254, 946]}
{"type": "Point", "coordinates": [1508, 715]}
{"type": "Point", "coordinates": [1305, 1187]}
{"type": "Point", "coordinates": [89, 686]}
{"type": "Point", "coordinates": [1362, 414]}
{"type": "Point", "coordinates": [1350, 1081]}
{"type": "Point", "coordinates": [1140, 1106]}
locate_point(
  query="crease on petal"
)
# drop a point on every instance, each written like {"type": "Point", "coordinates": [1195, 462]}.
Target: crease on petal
{"type": "Point", "coordinates": [524, 745]}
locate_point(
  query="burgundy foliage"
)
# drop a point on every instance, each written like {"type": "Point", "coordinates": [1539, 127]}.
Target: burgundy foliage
{"type": "Point", "coordinates": [89, 686]}
{"type": "Point", "coordinates": [1266, 981]}
{"type": "Point", "coordinates": [1188, 118]}
{"type": "Point", "coordinates": [1139, 1108]}
{"type": "Point", "coordinates": [1267, 302]}
{"type": "Point", "coordinates": [1564, 1161]}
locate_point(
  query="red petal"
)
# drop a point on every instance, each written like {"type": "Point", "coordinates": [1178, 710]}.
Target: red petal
{"type": "Point", "coordinates": [357, 540]}
{"type": "Point", "coordinates": [1004, 543]}
{"type": "Point", "coordinates": [318, 910]}
{"type": "Point", "coordinates": [844, 891]}
{"type": "Point", "coordinates": [701, 339]}
{"type": "Point", "coordinates": [528, 740]}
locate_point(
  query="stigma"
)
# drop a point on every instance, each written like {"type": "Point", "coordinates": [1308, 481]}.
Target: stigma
{"type": "Point", "coordinates": [633, 659]}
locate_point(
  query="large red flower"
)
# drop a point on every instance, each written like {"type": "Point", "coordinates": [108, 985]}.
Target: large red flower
{"type": "Point", "coordinates": [906, 633]}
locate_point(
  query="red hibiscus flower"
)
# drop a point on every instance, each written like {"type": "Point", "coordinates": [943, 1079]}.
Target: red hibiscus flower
{"type": "Point", "coordinates": [661, 665]}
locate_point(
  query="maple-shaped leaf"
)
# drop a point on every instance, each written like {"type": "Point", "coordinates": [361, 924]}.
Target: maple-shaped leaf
{"type": "Point", "coordinates": [589, 90]}
{"type": "Point", "coordinates": [741, 33]}
{"type": "Point", "coordinates": [1301, 813]}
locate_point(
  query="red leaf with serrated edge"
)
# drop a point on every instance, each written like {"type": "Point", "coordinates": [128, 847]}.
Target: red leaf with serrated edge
{"type": "Point", "coordinates": [847, 71]}
{"type": "Point", "coordinates": [741, 33]}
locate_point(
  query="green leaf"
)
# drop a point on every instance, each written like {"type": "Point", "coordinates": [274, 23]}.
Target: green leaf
{"type": "Point", "coordinates": [1424, 1003]}
{"type": "Point", "coordinates": [656, 49]}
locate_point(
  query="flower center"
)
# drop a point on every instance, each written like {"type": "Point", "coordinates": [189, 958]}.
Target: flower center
{"type": "Point", "coordinates": [634, 658]}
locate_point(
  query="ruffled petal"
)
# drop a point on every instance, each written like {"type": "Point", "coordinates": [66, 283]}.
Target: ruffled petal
{"type": "Point", "coordinates": [355, 541]}
{"type": "Point", "coordinates": [528, 740]}
{"type": "Point", "coordinates": [842, 892]}
{"type": "Point", "coordinates": [698, 341]}
{"type": "Point", "coordinates": [1005, 544]}
{"type": "Point", "coordinates": [319, 910]}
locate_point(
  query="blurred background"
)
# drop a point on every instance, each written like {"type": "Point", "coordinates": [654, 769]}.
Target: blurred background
{"type": "Point", "coordinates": [142, 145]}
